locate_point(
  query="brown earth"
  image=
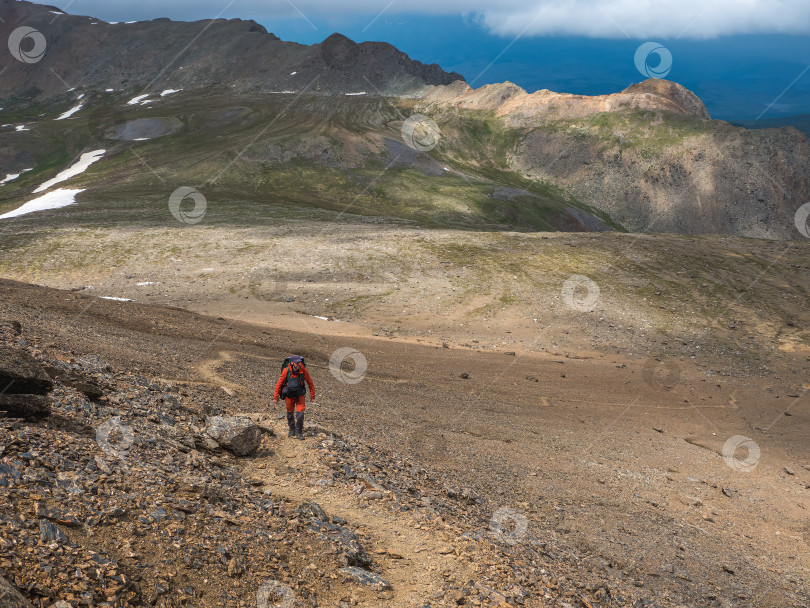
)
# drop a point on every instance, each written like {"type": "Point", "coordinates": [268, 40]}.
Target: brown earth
{"type": "Point", "coordinates": [615, 460]}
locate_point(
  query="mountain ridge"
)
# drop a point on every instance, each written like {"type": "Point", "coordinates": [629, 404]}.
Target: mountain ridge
{"type": "Point", "coordinates": [322, 121]}
{"type": "Point", "coordinates": [86, 52]}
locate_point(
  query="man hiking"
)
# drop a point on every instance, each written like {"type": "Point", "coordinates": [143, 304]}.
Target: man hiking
{"type": "Point", "coordinates": [291, 384]}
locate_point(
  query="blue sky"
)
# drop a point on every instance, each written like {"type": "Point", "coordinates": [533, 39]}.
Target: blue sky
{"type": "Point", "coordinates": [744, 59]}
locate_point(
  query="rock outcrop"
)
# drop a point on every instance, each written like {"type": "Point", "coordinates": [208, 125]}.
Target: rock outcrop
{"type": "Point", "coordinates": [521, 108]}
{"type": "Point", "coordinates": [24, 385]}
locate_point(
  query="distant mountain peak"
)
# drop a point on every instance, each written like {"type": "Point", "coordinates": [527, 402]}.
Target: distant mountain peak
{"type": "Point", "coordinates": [91, 53]}
{"type": "Point", "coordinates": [507, 98]}
{"type": "Point", "coordinates": [684, 99]}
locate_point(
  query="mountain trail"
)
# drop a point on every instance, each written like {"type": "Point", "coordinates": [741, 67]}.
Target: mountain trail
{"type": "Point", "coordinates": [412, 557]}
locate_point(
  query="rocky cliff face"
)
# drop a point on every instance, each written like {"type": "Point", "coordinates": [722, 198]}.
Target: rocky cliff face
{"type": "Point", "coordinates": [87, 52]}
{"type": "Point", "coordinates": [649, 156]}
{"type": "Point", "coordinates": [520, 108]}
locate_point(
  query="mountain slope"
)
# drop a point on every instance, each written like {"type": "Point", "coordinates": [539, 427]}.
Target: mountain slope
{"type": "Point", "coordinates": [650, 156]}
{"type": "Point", "coordinates": [259, 121]}
{"type": "Point", "coordinates": [88, 52]}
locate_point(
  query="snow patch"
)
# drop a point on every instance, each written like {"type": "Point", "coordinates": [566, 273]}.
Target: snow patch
{"type": "Point", "coordinates": [137, 100]}
{"type": "Point", "coordinates": [146, 283]}
{"type": "Point", "coordinates": [9, 177]}
{"type": "Point", "coordinates": [53, 200]}
{"type": "Point", "coordinates": [70, 112]}
{"type": "Point", "coordinates": [169, 92]}
{"type": "Point", "coordinates": [87, 159]}
{"type": "Point", "coordinates": [109, 90]}
{"type": "Point", "coordinates": [116, 299]}
{"type": "Point", "coordinates": [293, 73]}
{"type": "Point", "coordinates": [352, 94]}
{"type": "Point", "coordinates": [12, 176]}
{"type": "Point", "coordinates": [79, 97]}
{"type": "Point", "coordinates": [21, 128]}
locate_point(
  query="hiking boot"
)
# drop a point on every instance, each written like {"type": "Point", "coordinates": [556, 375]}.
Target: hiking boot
{"type": "Point", "coordinates": [299, 425]}
{"type": "Point", "coordinates": [291, 424]}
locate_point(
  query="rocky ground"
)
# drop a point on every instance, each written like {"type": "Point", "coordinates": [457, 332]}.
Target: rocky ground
{"type": "Point", "coordinates": [118, 498]}
{"type": "Point", "coordinates": [599, 484]}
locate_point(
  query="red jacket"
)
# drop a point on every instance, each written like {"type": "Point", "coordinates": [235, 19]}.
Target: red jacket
{"type": "Point", "coordinates": [283, 378]}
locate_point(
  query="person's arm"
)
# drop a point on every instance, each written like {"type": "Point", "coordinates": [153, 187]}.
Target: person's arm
{"type": "Point", "coordinates": [279, 384]}
{"type": "Point", "coordinates": [311, 384]}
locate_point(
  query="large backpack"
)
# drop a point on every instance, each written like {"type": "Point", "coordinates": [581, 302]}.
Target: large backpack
{"type": "Point", "coordinates": [293, 387]}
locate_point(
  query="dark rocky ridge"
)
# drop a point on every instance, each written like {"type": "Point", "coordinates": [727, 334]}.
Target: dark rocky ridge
{"type": "Point", "coordinates": [85, 52]}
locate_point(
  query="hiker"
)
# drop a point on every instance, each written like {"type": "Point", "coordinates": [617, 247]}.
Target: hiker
{"type": "Point", "coordinates": [291, 385]}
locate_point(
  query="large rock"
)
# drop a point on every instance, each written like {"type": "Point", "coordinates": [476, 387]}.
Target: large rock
{"type": "Point", "coordinates": [238, 435]}
{"type": "Point", "coordinates": [25, 406]}
{"type": "Point", "coordinates": [10, 597]}
{"type": "Point", "coordinates": [21, 374]}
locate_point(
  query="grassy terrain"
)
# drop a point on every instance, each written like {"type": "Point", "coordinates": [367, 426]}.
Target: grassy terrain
{"type": "Point", "coordinates": [378, 230]}
{"type": "Point", "coordinates": [647, 131]}
{"type": "Point", "coordinates": [244, 156]}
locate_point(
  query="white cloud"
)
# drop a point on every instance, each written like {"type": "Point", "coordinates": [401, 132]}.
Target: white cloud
{"type": "Point", "coordinates": [595, 18]}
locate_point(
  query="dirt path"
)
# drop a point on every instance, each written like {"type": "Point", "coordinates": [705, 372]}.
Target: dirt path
{"type": "Point", "coordinates": [414, 560]}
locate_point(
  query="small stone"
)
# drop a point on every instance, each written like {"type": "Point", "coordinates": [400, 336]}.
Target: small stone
{"type": "Point", "coordinates": [48, 532]}
{"type": "Point", "coordinates": [789, 471]}
{"type": "Point", "coordinates": [454, 596]}
{"type": "Point", "coordinates": [102, 465]}
{"type": "Point", "coordinates": [366, 578]}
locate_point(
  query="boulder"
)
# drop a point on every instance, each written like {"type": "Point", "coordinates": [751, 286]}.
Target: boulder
{"type": "Point", "coordinates": [21, 374]}
{"type": "Point", "coordinates": [10, 597]}
{"type": "Point", "coordinates": [240, 436]}
{"type": "Point", "coordinates": [25, 406]}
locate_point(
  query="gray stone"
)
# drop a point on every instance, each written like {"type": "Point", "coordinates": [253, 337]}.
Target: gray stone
{"type": "Point", "coordinates": [367, 579]}
{"type": "Point", "coordinates": [240, 436]}
{"type": "Point", "coordinates": [10, 597]}
{"type": "Point", "coordinates": [49, 532]}
{"type": "Point", "coordinates": [310, 509]}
